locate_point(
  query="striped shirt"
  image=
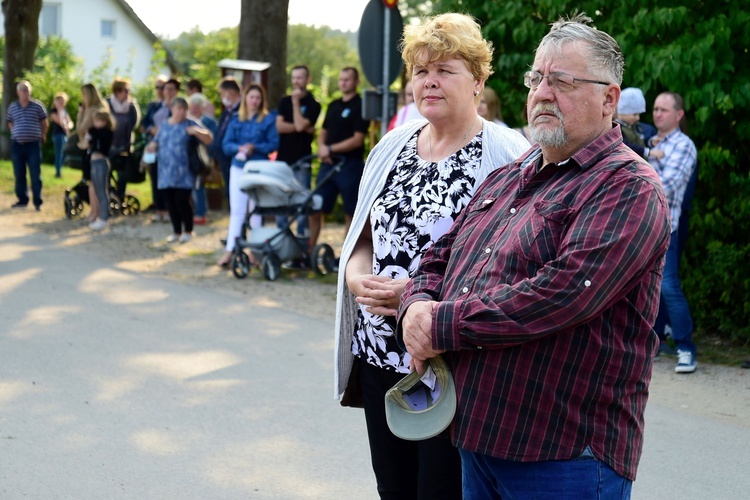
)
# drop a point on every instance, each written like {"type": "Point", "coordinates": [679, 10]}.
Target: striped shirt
{"type": "Point", "coordinates": [27, 121]}
{"type": "Point", "coordinates": [548, 284]}
{"type": "Point", "coordinates": [675, 169]}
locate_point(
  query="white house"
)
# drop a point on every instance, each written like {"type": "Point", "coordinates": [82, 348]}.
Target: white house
{"type": "Point", "coordinates": [100, 30]}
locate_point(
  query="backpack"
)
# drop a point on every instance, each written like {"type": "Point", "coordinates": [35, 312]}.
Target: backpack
{"type": "Point", "coordinates": [198, 158]}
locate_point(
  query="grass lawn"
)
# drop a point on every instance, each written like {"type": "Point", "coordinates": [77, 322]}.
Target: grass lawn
{"type": "Point", "coordinates": [53, 189]}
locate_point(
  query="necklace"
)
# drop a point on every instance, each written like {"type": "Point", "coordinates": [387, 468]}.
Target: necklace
{"type": "Point", "coordinates": [462, 139]}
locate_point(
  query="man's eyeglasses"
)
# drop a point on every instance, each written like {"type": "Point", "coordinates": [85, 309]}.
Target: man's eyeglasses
{"type": "Point", "coordinates": [561, 81]}
{"type": "Point", "coordinates": [159, 87]}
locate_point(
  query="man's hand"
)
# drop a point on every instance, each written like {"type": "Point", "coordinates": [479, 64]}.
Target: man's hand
{"type": "Point", "coordinates": [656, 153]}
{"type": "Point", "coordinates": [417, 328]}
{"type": "Point", "coordinates": [297, 94]}
{"type": "Point", "coordinates": [419, 366]}
{"type": "Point", "coordinates": [324, 153]}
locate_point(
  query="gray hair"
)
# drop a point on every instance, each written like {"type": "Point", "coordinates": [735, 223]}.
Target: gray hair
{"type": "Point", "coordinates": [605, 56]}
{"type": "Point", "coordinates": [24, 84]}
{"type": "Point", "coordinates": [198, 98]}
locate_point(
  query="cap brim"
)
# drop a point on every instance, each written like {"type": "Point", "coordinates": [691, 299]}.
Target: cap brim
{"type": "Point", "coordinates": [416, 425]}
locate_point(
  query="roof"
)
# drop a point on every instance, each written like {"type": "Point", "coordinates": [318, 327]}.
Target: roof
{"type": "Point", "coordinates": [171, 61]}
{"type": "Point", "coordinates": [244, 65]}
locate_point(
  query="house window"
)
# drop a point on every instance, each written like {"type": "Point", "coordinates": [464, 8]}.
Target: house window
{"type": "Point", "coordinates": [49, 19]}
{"type": "Point", "coordinates": [108, 28]}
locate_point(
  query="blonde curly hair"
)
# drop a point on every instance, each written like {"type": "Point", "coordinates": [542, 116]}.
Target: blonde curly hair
{"type": "Point", "coordinates": [448, 36]}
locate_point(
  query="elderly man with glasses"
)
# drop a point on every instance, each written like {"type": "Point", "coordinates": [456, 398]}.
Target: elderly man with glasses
{"type": "Point", "coordinates": [543, 293]}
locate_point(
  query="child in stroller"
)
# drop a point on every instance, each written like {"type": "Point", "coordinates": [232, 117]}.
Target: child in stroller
{"type": "Point", "coordinates": [275, 191]}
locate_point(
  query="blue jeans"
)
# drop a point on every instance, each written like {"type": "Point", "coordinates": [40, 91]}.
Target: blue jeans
{"type": "Point", "coordinates": [225, 168]}
{"type": "Point", "coordinates": [59, 141]}
{"type": "Point", "coordinates": [581, 478]}
{"type": "Point", "coordinates": [199, 199]}
{"type": "Point", "coordinates": [673, 307]}
{"type": "Point", "coordinates": [22, 155]}
{"type": "Point", "coordinates": [304, 176]}
{"type": "Point", "coordinates": [100, 181]}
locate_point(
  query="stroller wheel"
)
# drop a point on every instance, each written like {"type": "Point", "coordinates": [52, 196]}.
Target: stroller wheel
{"type": "Point", "coordinates": [114, 205]}
{"type": "Point", "coordinates": [68, 208]}
{"type": "Point", "coordinates": [73, 204]}
{"type": "Point", "coordinates": [271, 266]}
{"type": "Point", "coordinates": [240, 264]}
{"type": "Point", "coordinates": [131, 205]}
{"type": "Point", "coordinates": [322, 259]}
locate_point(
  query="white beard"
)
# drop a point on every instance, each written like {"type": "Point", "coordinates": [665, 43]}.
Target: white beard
{"type": "Point", "coordinates": [546, 138]}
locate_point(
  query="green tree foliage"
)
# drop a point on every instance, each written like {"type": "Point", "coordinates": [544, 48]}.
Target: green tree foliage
{"type": "Point", "coordinates": [697, 49]}
{"type": "Point", "coordinates": [324, 50]}
{"type": "Point", "coordinates": [200, 53]}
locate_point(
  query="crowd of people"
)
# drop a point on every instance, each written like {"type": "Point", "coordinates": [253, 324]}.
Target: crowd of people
{"type": "Point", "coordinates": [530, 259]}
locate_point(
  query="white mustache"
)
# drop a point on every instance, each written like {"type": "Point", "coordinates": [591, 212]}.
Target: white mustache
{"type": "Point", "coordinates": [546, 108]}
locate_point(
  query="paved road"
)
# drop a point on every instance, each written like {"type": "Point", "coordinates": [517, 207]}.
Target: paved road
{"type": "Point", "coordinates": [114, 385]}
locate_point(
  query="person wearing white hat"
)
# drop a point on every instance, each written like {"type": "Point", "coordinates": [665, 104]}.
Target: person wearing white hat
{"type": "Point", "coordinates": [634, 133]}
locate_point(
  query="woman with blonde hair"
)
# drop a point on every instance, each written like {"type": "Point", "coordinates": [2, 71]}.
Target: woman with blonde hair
{"type": "Point", "coordinates": [91, 104]}
{"type": "Point", "coordinates": [416, 181]}
{"type": "Point", "coordinates": [250, 136]}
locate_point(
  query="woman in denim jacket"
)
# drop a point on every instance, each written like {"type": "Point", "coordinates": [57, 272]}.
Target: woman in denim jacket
{"type": "Point", "coordinates": [251, 136]}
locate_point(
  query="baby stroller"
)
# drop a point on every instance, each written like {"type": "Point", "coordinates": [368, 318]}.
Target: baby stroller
{"type": "Point", "coordinates": [276, 191]}
{"type": "Point", "coordinates": [77, 195]}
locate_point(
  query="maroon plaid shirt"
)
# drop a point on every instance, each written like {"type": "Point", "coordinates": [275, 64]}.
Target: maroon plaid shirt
{"type": "Point", "coordinates": [548, 286]}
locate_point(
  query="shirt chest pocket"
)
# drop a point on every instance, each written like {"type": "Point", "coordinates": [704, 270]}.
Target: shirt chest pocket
{"type": "Point", "coordinates": [538, 239]}
{"type": "Point", "coordinates": [476, 212]}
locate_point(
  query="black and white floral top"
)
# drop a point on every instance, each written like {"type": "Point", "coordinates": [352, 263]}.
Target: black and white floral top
{"type": "Point", "coordinates": [418, 204]}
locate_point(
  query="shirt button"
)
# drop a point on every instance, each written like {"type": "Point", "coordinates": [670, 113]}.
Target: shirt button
{"type": "Point", "coordinates": [587, 283]}
{"type": "Point", "coordinates": [487, 250]}
{"type": "Point", "coordinates": [465, 289]}
{"type": "Point", "coordinates": [512, 210]}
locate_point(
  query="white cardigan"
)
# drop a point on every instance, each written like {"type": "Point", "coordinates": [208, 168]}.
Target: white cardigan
{"type": "Point", "coordinates": [500, 146]}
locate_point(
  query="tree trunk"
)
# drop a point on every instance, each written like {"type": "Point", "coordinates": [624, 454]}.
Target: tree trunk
{"type": "Point", "coordinates": [263, 31]}
{"type": "Point", "coordinates": [21, 38]}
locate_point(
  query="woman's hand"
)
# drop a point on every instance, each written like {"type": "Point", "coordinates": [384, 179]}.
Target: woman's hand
{"type": "Point", "coordinates": [381, 294]}
{"type": "Point", "coordinates": [151, 147]}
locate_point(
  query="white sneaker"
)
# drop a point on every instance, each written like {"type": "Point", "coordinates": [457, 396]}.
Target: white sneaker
{"type": "Point", "coordinates": [173, 238]}
{"type": "Point", "coordinates": [98, 225]}
{"type": "Point", "coordinates": [185, 237]}
{"type": "Point", "coordinates": [685, 362]}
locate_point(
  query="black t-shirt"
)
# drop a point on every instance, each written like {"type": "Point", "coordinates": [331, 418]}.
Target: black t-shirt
{"type": "Point", "coordinates": [295, 145]}
{"type": "Point", "coordinates": [101, 140]}
{"type": "Point", "coordinates": [56, 129]}
{"type": "Point", "coordinates": [342, 120]}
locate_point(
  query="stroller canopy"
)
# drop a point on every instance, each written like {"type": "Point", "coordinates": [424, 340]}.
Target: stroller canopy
{"type": "Point", "coordinates": [272, 184]}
